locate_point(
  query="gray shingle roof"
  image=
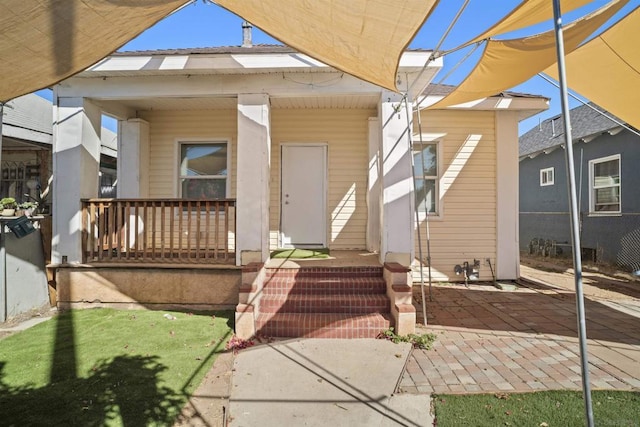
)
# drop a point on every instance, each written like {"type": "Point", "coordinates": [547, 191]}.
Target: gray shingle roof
{"type": "Point", "coordinates": [585, 122]}
{"type": "Point", "coordinates": [438, 89]}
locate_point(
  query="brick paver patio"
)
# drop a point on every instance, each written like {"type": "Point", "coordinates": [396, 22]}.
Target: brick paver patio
{"type": "Point", "coordinates": [524, 340]}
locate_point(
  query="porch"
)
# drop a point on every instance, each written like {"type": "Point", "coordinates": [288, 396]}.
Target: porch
{"type": "Point", "coordinates": [158, 231]}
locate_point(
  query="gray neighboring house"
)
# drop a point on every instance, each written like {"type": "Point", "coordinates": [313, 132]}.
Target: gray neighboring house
{"type": "Point", "coordinates": [607, 167]}
{"type": "Point", "coordinates": [26, 147]}
{"type": "Point", "coordinates": [26, 150]}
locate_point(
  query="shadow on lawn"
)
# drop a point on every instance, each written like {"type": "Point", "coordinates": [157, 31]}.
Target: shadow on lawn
{"type": "Point", "coordinates": [123, 390]}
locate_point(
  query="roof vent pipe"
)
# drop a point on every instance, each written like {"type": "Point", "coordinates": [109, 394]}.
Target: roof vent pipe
{"type": "Point", "coordinates": [246, 34]}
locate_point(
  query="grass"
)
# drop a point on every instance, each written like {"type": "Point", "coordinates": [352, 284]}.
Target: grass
{"type": "Point", "coordinates": [539, 409]}
{"type": "Point", "coordinates": [298, 253]}
{"type": "Point", "coordinates": [107, 367]}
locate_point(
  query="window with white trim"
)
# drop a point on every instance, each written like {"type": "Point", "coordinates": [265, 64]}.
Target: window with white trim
{"type": "Point", "coordinates": [604, 185]}
{"type": "Point", "coordinates": [425, 161]}
{"type": "Point", "coordinates": [203, 170]}
{"type": "Point", "coordinates": [547, 176]}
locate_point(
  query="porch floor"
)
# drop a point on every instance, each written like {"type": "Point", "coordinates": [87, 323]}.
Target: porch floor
{"type": "Point", "coordinates": [337, 258]}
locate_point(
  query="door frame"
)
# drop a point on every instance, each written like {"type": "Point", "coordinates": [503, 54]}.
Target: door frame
{"type": "Point", "coordinates": [325, 183]}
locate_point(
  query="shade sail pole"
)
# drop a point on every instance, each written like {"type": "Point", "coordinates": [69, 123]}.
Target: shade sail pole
{"type": "Point", "coordinates": [415, 206]}
{"type": "Point", "coordinates": [575, 235]}
{"type": "Point", "coordinates": [3, 254]}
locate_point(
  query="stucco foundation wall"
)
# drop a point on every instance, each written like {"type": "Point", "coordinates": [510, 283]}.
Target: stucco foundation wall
{"type": "Point", "coordinates": [465, 227]}
{"type": "Point", "coordinates": [345, 131]}
{"type": "Point", "coordinates": [200, 289]}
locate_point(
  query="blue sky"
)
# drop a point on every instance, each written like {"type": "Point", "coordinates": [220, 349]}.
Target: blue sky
{"type": "Point", "coordinates": [202, 24]}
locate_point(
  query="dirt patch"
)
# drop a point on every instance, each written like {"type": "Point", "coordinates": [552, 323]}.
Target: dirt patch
{"type": "Point", "coordinates": [6, 327]}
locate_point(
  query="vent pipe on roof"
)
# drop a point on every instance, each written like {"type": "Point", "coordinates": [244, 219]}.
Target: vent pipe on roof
{"type": "Point", "coordinates": [246, 34]}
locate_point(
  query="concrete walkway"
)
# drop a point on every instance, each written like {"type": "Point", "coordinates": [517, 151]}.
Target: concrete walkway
{"type": "Point", "coordinates": [524, 340]}
{"type": "Point", "coordinates": [324, 382]}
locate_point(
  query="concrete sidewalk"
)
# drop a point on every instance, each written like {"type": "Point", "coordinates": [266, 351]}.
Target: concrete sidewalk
{"type": "Point", "coordinates": [324, 382]}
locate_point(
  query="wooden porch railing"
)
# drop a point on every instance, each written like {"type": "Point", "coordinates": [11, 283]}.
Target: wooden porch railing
{"type": "Point", "coordinates": [158, 231]}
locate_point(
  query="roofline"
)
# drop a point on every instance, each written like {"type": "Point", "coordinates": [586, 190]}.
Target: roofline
{"type": "Point", "coordinates": [614, 130]}
{"type": "Point", "coordinates": [239, 61]}
{"type": "Point", "coordinates": [221, 50]}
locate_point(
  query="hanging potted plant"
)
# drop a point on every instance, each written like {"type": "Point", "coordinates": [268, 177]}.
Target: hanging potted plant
{"type": "Point", "coordinates": [9, 206]}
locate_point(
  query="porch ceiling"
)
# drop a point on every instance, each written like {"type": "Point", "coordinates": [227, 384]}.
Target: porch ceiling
{"type": "Point", "coordinates": [227, 103]}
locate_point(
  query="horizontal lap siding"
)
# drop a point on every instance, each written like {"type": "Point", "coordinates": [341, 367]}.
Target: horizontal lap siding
{"type": "Point", "coordinates": [346, 133]}
{"type": "Point", "coordinates": [166, 126]}
{"type": "Point", "coordinates": [467, 229]}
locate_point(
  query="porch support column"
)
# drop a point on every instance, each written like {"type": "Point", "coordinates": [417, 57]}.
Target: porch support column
{"type": "Point", "coordinates": [507, 221]}
{"type": "Point", "coordinates": [253, 174]}
{"type": "Point", "coordinates": [133, 159]}
{"type": "Point", "coordinates": [373, 187]}
{"type": "Point", "coordinates": [397, 216]}
{"type": "Point", "coordinates": [76, 163]}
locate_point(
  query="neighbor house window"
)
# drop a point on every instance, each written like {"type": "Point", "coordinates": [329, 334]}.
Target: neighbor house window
{"type": "Point", "coordinates": [203, 170]}
{"type": "Point", "coordinates": [425, 161]}
{"type": "Point", "coordinates": [546, 176]}
{"type": "Point", "coordinates": [604, 184]}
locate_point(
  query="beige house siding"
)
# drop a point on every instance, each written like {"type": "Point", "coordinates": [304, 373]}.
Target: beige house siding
{"type": "Point", "coordinates": [165, 129]}
{"type": "Point", "coordinates": [466, 226]}
{"type": "Point", "coordinates": [345, 133]}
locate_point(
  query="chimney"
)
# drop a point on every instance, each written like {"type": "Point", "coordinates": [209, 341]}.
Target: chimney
{"type": "Point", "coordinates": [246, 34]}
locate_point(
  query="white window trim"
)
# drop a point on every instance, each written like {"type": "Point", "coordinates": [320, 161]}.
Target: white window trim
{"type": "Point", "coordinates": [592, 201]}
{"type": "Point", "coordinates": [544, 172]}
{"type": "Point", "coordinates": [203, 141]}
{"type": "Point", "coordinates": [438, 139]}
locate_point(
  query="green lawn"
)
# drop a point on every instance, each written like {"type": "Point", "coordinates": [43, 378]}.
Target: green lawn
{"type": "Point", "coordinates": [107, 367]}
{"type": "Point", "coordinates": [540, 409]}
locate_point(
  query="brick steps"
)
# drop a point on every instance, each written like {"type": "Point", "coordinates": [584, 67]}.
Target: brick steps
{"type": "Point", "coordinates": [320, 285]}
{"type": "Point", "coordinates": [322, 325]}
{"type": "Point", "coordinates": [324, 272]}
{"type": "Point", "coordinates": [324, 302]}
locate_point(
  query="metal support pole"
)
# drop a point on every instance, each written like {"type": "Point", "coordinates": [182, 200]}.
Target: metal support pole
{"type": "Point", "coordinates": [3, 254]}
{"type": "Point", "coordinates": [3, 276]}
{"type": "Point", "coordinates": [575, 235]}
{"type": "Point", "coordinates": [415, 207]}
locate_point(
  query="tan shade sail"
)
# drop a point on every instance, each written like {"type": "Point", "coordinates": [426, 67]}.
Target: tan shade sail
{"type": "Point", "coordinates": [606, 70]}
{"type": "Point", "coordinates": [364, 38]}
{"type": "Point", "coordinates": [43, 42]}
{"type": "Point", "coordinates": [507, 63]}
{"type": "Point", "coordinates": [527, 13]}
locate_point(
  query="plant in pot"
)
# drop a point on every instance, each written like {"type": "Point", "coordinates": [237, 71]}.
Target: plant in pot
{"type": "Point", "coordinates": [28, 207]}
{"type": "Point", "coordinates": [9, 206]}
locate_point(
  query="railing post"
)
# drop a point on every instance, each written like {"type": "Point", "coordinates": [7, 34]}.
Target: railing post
{"type": "Point", "coordinates": [85, 234]}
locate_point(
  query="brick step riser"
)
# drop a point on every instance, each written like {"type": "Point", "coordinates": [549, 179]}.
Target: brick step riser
{"type": "Point", "coordinates": [326, 306]}
{"type": "Point", "coordinates": [324, 290]}
{"type": "Point", "coordinates": [299, 273]}
{"type": "Point", "coordinates": [303, 326]}
{"type": "Point", "coordinates": [361, 285]}
{"type": "Point", "coordinates": [347, 334]}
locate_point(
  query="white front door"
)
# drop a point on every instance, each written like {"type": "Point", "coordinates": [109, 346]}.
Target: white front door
{"type": "Point", "coordinates": [303, 195]}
